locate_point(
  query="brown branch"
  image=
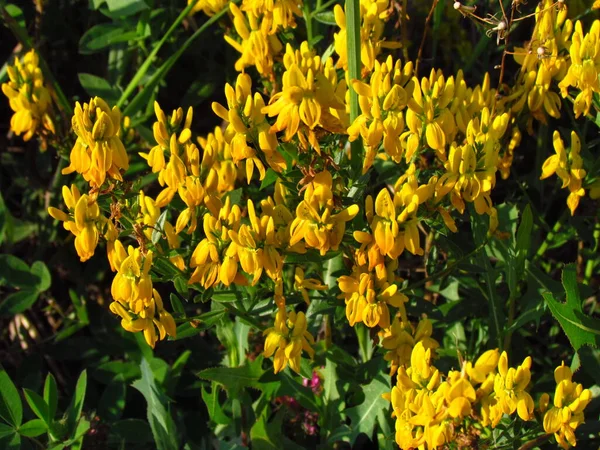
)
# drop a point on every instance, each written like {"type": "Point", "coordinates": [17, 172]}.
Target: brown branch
{"type": "Point", "coordinates": [429, 16]}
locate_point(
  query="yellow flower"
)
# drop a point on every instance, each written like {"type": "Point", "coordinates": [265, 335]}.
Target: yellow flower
{"type": "Point", "coordinates": [132, 283]}
{"type": "Point", "coordinates": [192, 193]}
{"type": "Point", "coordinates": [584, 69]}
{"type": "Point", "coordinates": [400, 338]}
{"type": "Point", "coordinates": [174, 138]}
{"type": "Point", "coordinates": [258, 46]}
{"type": "Point", "coordinates": [315, 221]}
{"type": "Point", "coordinates": [310, 96]}
{"type": "Point", "coordinates": [83, 220]}
{"type": "Point", "coordinates": [570, 399]}
{"type": "Point", "coordinates": [373, 14]}
{"type": "Point", "coordinates": [217, 163]}
{"type": "Point", "coordinates": [304, 284]}
{"type": "Point", "coordinates": [98, 150]}
{"type": "Point", "coordinates": [279, 12]}
{"type": "Point", "coordinates": [428, 110]}
{"type": "Point", "coordinates": [382, 103]}
{"type": "Point", "coordinates": [215, 258]}
{"type": "Point", "coordinates": [28, 97]}
{"type": "Point", "coordinates": [509, 389]}
{"type": "Point", "coordinates": [247, 124]}
{"type": "Point", "coordinates": [208, 7]}
{"type": "Point", "coordinates": [568, 168]}
{"type": "Point", "coordinates": [287, 339]}
{"type": "Point", "coordinates": [145, 319]}
{"type": "Point", "coordinates": [367, 298]}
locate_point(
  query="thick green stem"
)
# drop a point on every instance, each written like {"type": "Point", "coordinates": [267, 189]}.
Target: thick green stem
{"type": "Point", "coordinates": [365, 347]}
{"type": "Point", "coordinates": [353, 52]}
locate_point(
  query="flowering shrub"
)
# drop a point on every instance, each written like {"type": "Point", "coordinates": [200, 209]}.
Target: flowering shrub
{"type": "Point", "coordinates": [340, 167]}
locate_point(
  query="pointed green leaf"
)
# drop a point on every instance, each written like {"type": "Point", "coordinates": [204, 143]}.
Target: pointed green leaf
{"type": "Point", "coordinates": [579, 328]}
{"type": "Point", "coordinates": [267, 436]}
{"type": "Point", "coordinates": [33, 428]}
{"type": "Point", "coordinates": [363, 417]}
{"type": "Point", "coordinates": [11, 441]}
{"type": "Point", "coordinates": [236, 378]}
{"type": "Point", "coordinates": [37, 404]}
{"type": "Point", "coordinates": [215, 411]}
{"type": "Point", "coordinates": [161, 422]}
{"type": "Point", "coordinates": [51, 395]}
{"type": "Point", "coordinates": [112, 402]}
{"type": "Point", "coordinates": [74, 411]}
{"type": "Point", "coordinates": [11, 408]}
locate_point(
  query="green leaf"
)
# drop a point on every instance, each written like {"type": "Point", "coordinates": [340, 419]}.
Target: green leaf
{"type": "Point", "coordinates": [159, 226]}
{"type": "Point", "coordinates": [51, 395]}
{"type": "Point", "coordinates": [181, 287]}
{"type": "Point", "coordinates": [267, 436]}
{"type": "Point", "coordinates": [236, 378]}
{"type": "Point", "coordinates": [524, 232]}
{"type": "Point", "coordinates": [11, 408]}
{"type": "Point", "coordinates": [40, 270]}
{"type": "Point", "coordinates": [112, 402]}
{"type": "Point", "coordinates": [102, 36]}
{"type": "Point", "coordinates": [176, 304]}
{"type": "Point", "coordinates": [16, 273]}
{"type": "Point", "coordinates": [211, 400]}
{"type": "Point", "coordinates": [124, 8]}
{"type": "Point", "coordinates": [37, 405]}
{"type": "Point", "coordinates": [74, 411]}
{"type": "Point", "coordinates": [269, 179]}
{"type": "Point", "coordinates": [16, 13]}
{"type": "Point", "coordinates": [580, 329]}
{"type": "Point", "coordinates": [326, 17]}
{"type": "Point", "coordinates": [363, 417]}
{"type": "Point", "coordinates": [10, 441]}
{"type": "Point", "coordinates": [134, 431]}
{"type": "Point", "coordinates": [161, 422]}
{"type": "Point", "coordinates": [98, 86]}
{"type": "Point", "coordinates": [33, 428]}
{"type": "Point", "coordinates": [17, 302]}
{"type": "Point", "coordinates": [304, 395]}
{"type": "Point", "coordinates": [80, 308]}
{"type": "Point", "coordinates": [6, 430]}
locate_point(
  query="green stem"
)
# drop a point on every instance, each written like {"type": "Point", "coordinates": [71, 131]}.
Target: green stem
{"type": "Point", "coordinates": [550, 236]}
{"type": "Point", "coordinates": [166, 67]}
{"type": "Point", "coordinates": [308, 21]}
{"type": "Point", "coordinates": [364, 342]}
{"type": "Point", "coordinates": [133, 84]}
{"type": "Point", "coordinates": [324, 6]}
{"type": "Point", "coordinates": [590, 263]}
{"type": "Point", "coordinates": [353, 52]}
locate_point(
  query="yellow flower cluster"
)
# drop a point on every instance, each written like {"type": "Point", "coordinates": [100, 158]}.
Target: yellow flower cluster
{"type": "Point", "coordinates": [570, 399]}
{"type": "Point", "coordinates": [135, 301]}
{"type": "Point", "coordinates": [373, 14]}
{"type": "Point", "coordinates": [98, 150]}
{"type": "Point", "coordinates": [287, 339]}
{"type": "Point", "coordinates": [311, 97]}
{"type": "Point", "coordinates": [569, 168]}
{"type": "Point", "coordinates": [83, 220]}
{"type": "Point", "coordinates": [430, 406]}
{"type": "Point", "coordinates": [28, 97]}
